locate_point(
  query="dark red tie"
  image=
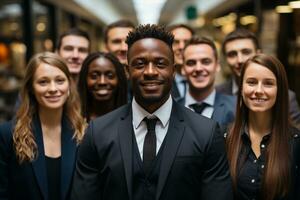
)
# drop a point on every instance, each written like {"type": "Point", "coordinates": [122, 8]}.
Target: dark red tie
{"type": "Point", "coordinates": [149, 150]}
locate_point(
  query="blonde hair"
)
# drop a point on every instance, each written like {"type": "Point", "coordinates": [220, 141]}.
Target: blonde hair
{"type": "Point", "coordinates": [23, 138]}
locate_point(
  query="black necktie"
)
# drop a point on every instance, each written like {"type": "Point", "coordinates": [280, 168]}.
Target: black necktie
{"type": "Point", "coordinates": [149, 150]}
{"type": "Point", "coordinates": [198, 108]}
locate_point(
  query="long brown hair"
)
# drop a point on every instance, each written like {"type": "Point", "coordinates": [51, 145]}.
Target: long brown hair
{"type": "Point", "coordinates": [23, 138]}
{"type": "Point", "coordinates": [276, 177]}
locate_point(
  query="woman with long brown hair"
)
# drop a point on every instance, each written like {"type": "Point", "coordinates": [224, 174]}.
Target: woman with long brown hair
{"type": "Point", "coordinates": [38, 148]}
{"type": "Point", "coordinates": [263, 147]}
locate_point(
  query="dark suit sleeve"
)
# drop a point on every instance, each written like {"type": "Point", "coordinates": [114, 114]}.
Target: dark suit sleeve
{"type": "Point", "coordinates": [216, 181]}
{"type": "Point", "coordinates": [294, 109]}
{"type": "Point", "coordinates": [86, 183]}
{"type": "Point", "coordinates": [4, 161]}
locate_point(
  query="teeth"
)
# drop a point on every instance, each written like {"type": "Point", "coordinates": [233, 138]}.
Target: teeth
{"type": "Point", "coordinates": [259, 100]}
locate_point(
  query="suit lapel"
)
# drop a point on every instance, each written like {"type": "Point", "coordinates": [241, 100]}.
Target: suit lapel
{"type": "Point", "coordinates": [39, 165]}
{"type": "Point", "coordinates": [68, 157]}
{"type": "Point", "coordinates": [172, 141]}
{"type": "Point", "coordinates": [125, 132]}
{"type": "Point", "coordinates": [218, 109]}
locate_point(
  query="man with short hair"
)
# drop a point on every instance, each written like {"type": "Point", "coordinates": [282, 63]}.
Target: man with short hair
{"type": "Point", "coordinates": [152, 148]}
{"type": "Point", "coordinates": [182, 34]}
{"type": "Point", "coordinates": [200, 67]}
{"type": "Point", "coordinates": [237, 47]}
{"type": "Point", "coordinates": [114, 38]}
{"type": "Point", "coordinates": [74, 46]}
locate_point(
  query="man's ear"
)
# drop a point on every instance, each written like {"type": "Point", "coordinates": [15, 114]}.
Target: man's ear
{"type": "Point", "coordinates": [182, 70]}
{"type": "Point", "coordinates": [258, 51]}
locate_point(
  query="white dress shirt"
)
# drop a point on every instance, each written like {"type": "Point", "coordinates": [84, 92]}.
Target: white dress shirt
{"type": "Point", "coordinates": [210, 100]}
{"type": "Point", "coordinates": [140, 128]}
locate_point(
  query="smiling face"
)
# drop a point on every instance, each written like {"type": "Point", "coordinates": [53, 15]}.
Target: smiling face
{"type": "Point", "coordinates": [74, 49]}
{"type": "Point", "coordinates": [102, 80]}
{"type": "Point", "coordinates": [50, 87]}
{"type": "Point", "coordinates": [181, 38]}
{"type": "Point", "coordinates": [200, 67]}
{"type": "Point", "coordinates": [237, 52]}
{"type": "Point", "coordinates": [116, 42]}
{"type": "Point", "coordinates": [259, 89]}
{"type": "Point", "coordinates": [152, 71]}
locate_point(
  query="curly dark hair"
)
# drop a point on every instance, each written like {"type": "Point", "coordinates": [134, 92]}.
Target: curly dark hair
{"type": "Point", "coordinates": [150, 31]}
{"type": "Point", "coordinates": [86, 97]}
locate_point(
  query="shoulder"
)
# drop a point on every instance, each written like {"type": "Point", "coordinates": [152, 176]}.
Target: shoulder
{"type": "Point", "coordinates": [230, 99]}
{"type": "Point", "coordinates": [224, 87]}
{"type": "Point", "coordinates": [107, 124]}
{"type": "Point", "coordinates": [6, 134]}
{"type": "Point", "coordinates": [195, 121]}
{"type": "Point", "coordinates": [113, 116]}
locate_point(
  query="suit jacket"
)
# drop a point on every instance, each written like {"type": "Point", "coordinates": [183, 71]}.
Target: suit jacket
{"type": "Point", "coordinates": [29, 179]}
{"type": "Point", "coordinates": [224, 108]}
{"type": "Point", "coordinates": [193, 166]}
{"type": "Point", "coordinates": [294, 110]}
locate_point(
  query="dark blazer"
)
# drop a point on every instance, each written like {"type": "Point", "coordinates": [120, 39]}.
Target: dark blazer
{"type": "Point", "coordinates": [29, 180]}
{"type": "Point", "coordinates": [294, 110]}
{"type": "Point", "coordinates": [224, 108]}
{"type": "Point", "coordinates": [193, 165]}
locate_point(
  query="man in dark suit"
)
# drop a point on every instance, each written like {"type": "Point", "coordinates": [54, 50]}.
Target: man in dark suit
{"type": "Point", "coordinates": [152, 148]}
{"type": "Point", "coordinates": [237, 47]}
{"type": "Point", "coordinates": [200, 67]}
{"type": "Point", "coordinates": [182, 34]}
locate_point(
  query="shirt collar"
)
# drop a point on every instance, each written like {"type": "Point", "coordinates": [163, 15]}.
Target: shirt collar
{"type": "Point", "coordinates": [163, 113]}
{"type": "Point", "coordinates": [179, 78]}
{"type": "Point", "coordinates": [210, 99]}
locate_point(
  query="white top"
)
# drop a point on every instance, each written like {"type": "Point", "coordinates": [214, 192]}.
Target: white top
{"type": "Point", "coordinates": [140, 127]}
{"type": "Point", "coordinates": [210, 100]}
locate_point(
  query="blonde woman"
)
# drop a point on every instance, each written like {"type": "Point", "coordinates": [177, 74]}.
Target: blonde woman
{"type": "Point", "coordinates": [38, 148]}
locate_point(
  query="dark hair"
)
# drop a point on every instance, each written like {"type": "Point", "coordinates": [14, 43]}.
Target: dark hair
{"type": "Point", "coordinates": [195, 40]}
{"type": "Point", "coordinates": [150, 31]}
{"type": "Point", "coordinates": [240, 33]}
{"type": "Point", "coordinates": [121, 90]}
{"type": "Point", "coordinates": [73, 31]}
{"type": "Point", "coordinates": [123, 23]}
{"type": "Point", "coordinates": [175, 26]}
{"type": "Point", "coordinates": [276, 177]}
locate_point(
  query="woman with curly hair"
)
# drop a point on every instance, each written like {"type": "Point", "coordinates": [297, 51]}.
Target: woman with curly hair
{"type": "Point", "coordinates": [263, 147]}
{"type": "Point", "coordinates": [102, 85]}
{"type": "Point", "coordinates": [38, 147]}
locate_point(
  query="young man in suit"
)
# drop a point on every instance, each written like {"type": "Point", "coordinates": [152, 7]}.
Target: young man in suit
{"type": "Point", "coordinates": [237, 47]}
{"type": "Point", "coordinates": [114, 38]}
{"type": "Point", "coordinates": [182, 34]}
{"type": "Point", "coordinates": [152, 148]}
{"type": "Point", "coordinates": [200, 67]}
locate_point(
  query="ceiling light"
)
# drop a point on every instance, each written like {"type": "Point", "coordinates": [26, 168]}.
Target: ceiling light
{"type": "Point", "coordinates": [283, 9]}
{"type": "Point", "coordinates": [294, 4]}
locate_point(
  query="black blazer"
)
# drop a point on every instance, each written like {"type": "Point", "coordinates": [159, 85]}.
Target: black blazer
{"type": "Point", "coordinates": [29, 180]}
{"type": "Point", "coordinates": [194, 164]}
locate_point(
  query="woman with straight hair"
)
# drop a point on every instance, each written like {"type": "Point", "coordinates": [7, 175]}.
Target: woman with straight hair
{"type": "Point", "coordinates": [38, 147]}
{"type": "Point", "coordinates": [262, 145]}
{"type": "Point", "coordinates": [102, 85]}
